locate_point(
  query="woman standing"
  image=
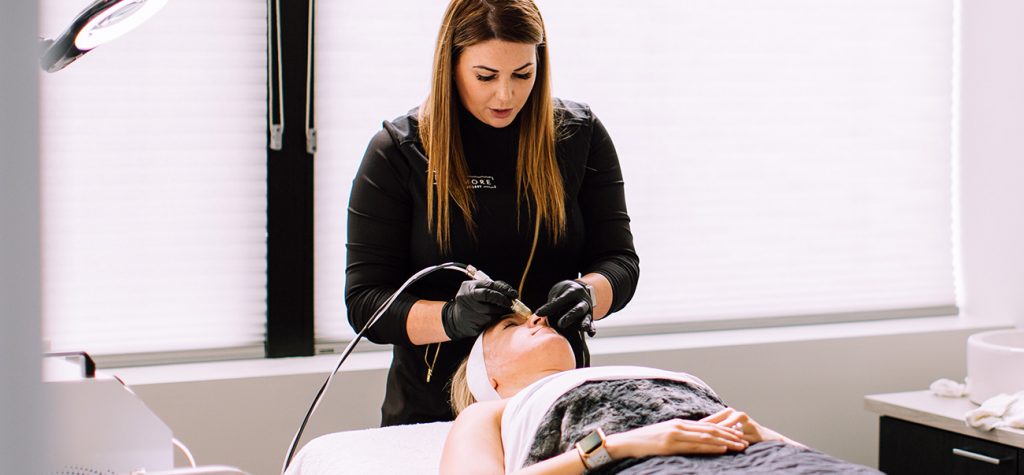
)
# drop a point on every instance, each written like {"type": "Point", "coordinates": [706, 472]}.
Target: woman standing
{"type": "Point", "coordinates": [490, 171]}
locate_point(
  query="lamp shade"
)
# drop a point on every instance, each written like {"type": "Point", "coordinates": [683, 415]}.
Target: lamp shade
{"type": "Point", "coordinates": [100, 22]}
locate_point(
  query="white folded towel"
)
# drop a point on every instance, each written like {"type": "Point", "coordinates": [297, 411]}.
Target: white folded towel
{"type": "Point", "coordinates": [948, 388]}
{"type": "Point", "coordinates": [1004, 410]}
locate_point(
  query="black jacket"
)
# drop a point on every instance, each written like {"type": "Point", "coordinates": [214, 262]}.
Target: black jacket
{"type": "Point", "coordinates": [388, 240]}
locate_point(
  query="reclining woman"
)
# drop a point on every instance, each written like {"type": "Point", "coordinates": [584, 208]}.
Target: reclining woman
{"type": "Point", "coordinates": [523, 408]}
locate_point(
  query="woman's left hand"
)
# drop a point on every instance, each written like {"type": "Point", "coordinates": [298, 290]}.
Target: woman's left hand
{"type": "Point", "coordinates": [752, 431]}
{"type": "Point", "coordinates": [570, 308]}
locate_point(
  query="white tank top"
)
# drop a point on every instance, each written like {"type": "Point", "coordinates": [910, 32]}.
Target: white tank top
{"type": "Point", "coordinates": [525, 411]}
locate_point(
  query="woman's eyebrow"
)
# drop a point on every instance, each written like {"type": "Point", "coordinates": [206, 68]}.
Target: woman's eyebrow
{"type": "Point", "coordinates": [480, 66]}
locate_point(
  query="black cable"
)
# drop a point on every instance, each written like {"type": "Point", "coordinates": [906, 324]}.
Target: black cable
{"type": "Point", "coordinates": [466, 269]}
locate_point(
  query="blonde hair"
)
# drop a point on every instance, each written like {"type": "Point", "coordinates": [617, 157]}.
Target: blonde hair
{"type": "Point", "coordinates": [461, 397]}
{"type": "Point", "coordinates": [468, 22]}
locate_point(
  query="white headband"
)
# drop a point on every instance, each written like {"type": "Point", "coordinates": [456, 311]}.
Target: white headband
{"type": "Point", "coordinates": [476, 373]}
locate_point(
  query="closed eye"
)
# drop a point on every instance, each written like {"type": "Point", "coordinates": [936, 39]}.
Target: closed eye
{"type": "Point", "coordinates": [523, 76]}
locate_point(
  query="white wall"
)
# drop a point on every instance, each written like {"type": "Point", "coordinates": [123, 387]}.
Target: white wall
{"type": "Point", "coordinates": [249, 422]}
{"type": "Point", "coordinates": [992, 159]}
{"type": "Point", "coordinates": [20, 407]}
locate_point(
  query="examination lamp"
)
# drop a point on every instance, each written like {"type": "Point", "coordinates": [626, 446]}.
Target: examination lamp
{"type": "Point", "coordinates": [100, 22]}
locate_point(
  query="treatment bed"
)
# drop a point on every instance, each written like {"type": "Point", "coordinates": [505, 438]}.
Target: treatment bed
{"type": "Point", "coordinates": [409, 449]}
{"type": "Point", "coordinates": [416, 449]}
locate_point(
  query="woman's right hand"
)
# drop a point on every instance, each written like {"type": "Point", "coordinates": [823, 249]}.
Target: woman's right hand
{"type": "Point", "coordinates": [476, 305]}
{"type": "Point", "coordinates": [674, 437]}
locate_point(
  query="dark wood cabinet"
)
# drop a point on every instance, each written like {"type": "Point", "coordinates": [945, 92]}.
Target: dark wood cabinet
{"type": "Point", "coordinates": [910, 448]}
{"type": "Point", "coordinates": [921, 433]}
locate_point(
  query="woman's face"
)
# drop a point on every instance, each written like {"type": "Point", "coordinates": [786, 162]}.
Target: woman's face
{"type": "Point", "coordinates": [519, 347]}
{"type": "Point", "coordinates": [494, 79]}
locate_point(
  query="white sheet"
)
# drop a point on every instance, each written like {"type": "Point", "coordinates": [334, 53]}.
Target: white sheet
{"type": "Point", "coordinates": [408, 449]}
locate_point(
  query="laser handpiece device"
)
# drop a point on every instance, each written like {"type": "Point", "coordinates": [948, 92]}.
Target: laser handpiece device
{"type": "Point", "coordinates": [518, 306]}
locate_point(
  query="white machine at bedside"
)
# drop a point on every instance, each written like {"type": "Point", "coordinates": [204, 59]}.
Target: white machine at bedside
{"type": "Point", "coordinates": [99, 425]}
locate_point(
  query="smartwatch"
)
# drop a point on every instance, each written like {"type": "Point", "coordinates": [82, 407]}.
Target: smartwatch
{"type": "Point", "coordinates": [592, 450]}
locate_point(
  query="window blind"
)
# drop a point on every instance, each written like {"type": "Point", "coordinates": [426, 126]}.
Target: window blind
{"type": "Point", "coordinates": [372, 64]}
{"type": "Point", "coordinates": [782, 159]}
{"type": "Point", "coordinates": [154, 183]}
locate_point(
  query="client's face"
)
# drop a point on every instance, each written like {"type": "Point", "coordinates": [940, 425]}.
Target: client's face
{"type": "Point", "coordinates": [519, 347]}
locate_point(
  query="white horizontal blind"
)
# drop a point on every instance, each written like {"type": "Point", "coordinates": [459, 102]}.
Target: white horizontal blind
{"type": "Point", "coordinates": [782, 158]}
{"type": "Point", "coordinates": [372, 64]}
{"type": "Point", "coordinates": [154, 183]}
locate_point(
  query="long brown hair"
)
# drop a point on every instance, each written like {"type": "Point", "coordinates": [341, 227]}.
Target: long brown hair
{"type": "Point", "coordinates": [468, 22]}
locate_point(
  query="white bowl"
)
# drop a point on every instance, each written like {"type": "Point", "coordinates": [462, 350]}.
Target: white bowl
{"type": "Point", "coordinates": [995, 364]}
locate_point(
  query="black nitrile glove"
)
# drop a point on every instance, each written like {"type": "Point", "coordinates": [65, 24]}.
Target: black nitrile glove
{"type": "Point", "coordinates": [570, 308]}
{"type": "Point", "coordinates": [477, 304]}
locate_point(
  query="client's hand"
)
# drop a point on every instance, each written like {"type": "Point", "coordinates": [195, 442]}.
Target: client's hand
{"type": "Point", "coordinates": [476, 305]}
{"type": "Point", "coordinates": [674, 437]}
{"type": "Point", "coordinates": [569, 308]}
{"type": "Point", "coordinates": [752, 431]}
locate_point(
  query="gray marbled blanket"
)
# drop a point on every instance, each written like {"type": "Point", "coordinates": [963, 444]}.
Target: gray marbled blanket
{"type": "Point", "coordinates": [622, 405]}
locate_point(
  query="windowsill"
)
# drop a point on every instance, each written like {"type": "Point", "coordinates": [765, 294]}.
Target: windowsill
{"type": "Point", "coordinates": [783, 334]}
{"type": "Point", "coordinates": [378, 360]}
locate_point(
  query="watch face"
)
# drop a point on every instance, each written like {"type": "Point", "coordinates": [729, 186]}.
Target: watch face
{"type": "Point", "coordinates": [591, 442]}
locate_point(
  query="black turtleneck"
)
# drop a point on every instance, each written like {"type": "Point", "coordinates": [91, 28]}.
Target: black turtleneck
{"type": "Point", "coordinates": [388, 240]}
{"type": "Point", "coordinates": [489, 151]}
